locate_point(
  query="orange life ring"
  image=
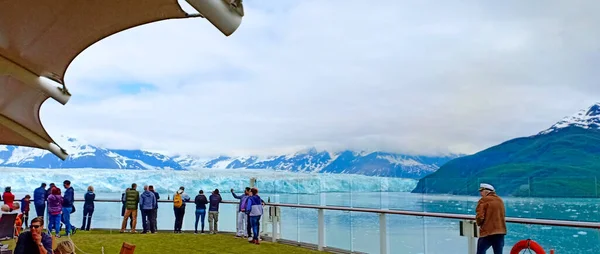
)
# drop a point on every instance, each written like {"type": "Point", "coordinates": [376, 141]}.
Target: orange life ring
{"type": "Point", "coordinates": [527, 244]}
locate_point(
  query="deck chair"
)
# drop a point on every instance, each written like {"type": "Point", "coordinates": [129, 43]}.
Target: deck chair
{"type": "Point", "coordinates": [7, 225]}
{"type": "Point", "coordinates": [127, 248]}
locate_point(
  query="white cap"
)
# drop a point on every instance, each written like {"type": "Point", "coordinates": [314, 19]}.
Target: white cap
{"type": "Point", "coordinates": [486, 186]}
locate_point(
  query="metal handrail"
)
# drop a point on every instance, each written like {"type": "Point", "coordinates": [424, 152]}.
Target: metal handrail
{"type": "Point", "coordinates": [558, 223]}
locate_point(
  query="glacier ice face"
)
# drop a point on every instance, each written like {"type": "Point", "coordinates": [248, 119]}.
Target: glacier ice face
{"type": "Point", "coordinates": [168, 181]}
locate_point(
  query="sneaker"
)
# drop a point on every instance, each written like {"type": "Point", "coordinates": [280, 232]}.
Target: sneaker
{"type": "Point", "coordinates": [249, 239]}
{"type": "Point", "coordinates": [195, 232]}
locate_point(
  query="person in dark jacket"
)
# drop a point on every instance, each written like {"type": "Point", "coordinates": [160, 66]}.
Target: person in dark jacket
{"type": "Point", "coordinates": [132, 200]}
{"type": "Point", "coordinates": [39, 200]}
{"type": "Point", "coordinates": [34, 241]}
{"type": "Point", "coordinates": [67, 206]}
{"type": "Point", "coordinates": [213, 211]}
{"type": "Point", "coordinates": [147, 204]}
{"type": "Point", "coordinates": [88, 208]}
{"type": "Point", "coordinates": [201, 202]}
{"type": "Point", "coordinates": [25, 208]}
{"type": "Point", "coordinates": [155, 210]}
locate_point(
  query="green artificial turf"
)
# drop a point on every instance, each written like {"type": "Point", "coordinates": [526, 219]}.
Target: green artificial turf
{"type": "Point", "coordinates": [166, 242]}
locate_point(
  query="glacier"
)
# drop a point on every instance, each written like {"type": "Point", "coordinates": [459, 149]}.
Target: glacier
{"type": "Point", "coordinates": [25, 180]}
{"type": "Point", "coordinates": [85, 155]}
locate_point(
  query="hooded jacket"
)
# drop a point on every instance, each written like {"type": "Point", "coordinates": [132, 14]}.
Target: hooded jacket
{"type": "Point", "coordinates": [148, 200]}
{"type": "Point", "coordinates": [254, 206]}
{"type": "Point", "coordinates": [55, 202]}
{"type": "Point", "coordinates": [9, 199]}
{"type": "Point", "coordinates": [491, 217]}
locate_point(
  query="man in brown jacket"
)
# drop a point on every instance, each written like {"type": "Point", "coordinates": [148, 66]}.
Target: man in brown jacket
{"type": "Point", "coordinates": [491, 220]}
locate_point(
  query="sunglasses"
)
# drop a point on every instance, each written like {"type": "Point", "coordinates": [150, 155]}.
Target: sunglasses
{"type": "Point", "coordinates": [35, 226]}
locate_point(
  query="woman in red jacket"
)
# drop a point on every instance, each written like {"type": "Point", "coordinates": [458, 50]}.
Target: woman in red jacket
{"type": "Point", "coordinates": [9, 198]}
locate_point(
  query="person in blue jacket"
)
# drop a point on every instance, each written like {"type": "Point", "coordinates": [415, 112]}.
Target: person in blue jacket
{"type": "Point", "coordinates": [39, 200]}
{"type": "Point", "coordinates": [67, 206]}
{"type": "Point", "coordinates": [254, 208]}
{"type": "Point", "coordinates": [147, 204]}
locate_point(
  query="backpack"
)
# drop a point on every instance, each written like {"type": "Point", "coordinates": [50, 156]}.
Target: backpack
{"type": "Point", "coordinates": [177, 201]}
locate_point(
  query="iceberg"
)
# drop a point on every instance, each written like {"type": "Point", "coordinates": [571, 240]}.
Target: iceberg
{"type": "Point", "coordinates": [168, 181]}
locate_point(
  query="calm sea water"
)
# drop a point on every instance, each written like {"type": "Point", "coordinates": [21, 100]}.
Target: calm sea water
{"type": "Point", "coordinates": [412, 235]}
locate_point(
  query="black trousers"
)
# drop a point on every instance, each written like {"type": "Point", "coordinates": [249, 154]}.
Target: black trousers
{"type": "Point", "coordinates": [148, 220]}
{"type": "Point", "coordinates": [87, 217]}
{"type": "Point", "coordinates": [179, 213]}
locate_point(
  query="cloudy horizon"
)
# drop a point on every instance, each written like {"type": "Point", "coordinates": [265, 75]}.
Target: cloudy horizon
{"type": "Point", "coordinates": [410, 77]}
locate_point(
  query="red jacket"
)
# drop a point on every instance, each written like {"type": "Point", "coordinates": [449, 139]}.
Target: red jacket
{"type": "Point", "coordinates": [9, 199]}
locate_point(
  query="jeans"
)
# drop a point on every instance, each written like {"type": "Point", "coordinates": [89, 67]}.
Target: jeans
{"type": "Point", "coordinates": [66, 216]}
{"type": "Point", "coordinates": [213, 218]}
{"type": "Point", "coordinates": [242, 224]}
{"type": "Point", "coordinates": [54, 222]}
{"type": "Point", "coordinates": [129, 214]}
{"type": "Point", "coordinates": [494, 241]}
{"type": "Point", "coordinates": [179, 213]}
{"type": "Point", "coordinates": [39, 210]}
{"type": "Point", "coordinates": [200, 215]}
{"type": "Point", "coordinates": [147, 220]}
{"type": "Point", "coordinates": [255, 220]}
{"type": "Point", "coordinates": [87, 216]}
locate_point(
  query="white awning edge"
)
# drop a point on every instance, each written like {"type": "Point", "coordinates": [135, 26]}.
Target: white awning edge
{"type": "Point", "coordinates": [33, 137]}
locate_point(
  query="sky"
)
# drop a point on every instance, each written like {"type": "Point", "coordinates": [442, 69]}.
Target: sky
{"type": "Point", "coordinates": [413, 77]}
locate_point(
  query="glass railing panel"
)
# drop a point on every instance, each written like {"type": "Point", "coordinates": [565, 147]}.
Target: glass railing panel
{"type": "Point", "coordinates": [365, 232]}
{"type": "Point", "coordinates": [405, 234]}
{"type": "Point", "coordinates": [309, 191]}
{"type": "Point", "coordinates": [340, 195]}
{"type": "Point", "coordinates": [366, 193]}
{"type": "Point", "coordinates": [338, 229]}
{"type": "Point", "coordinates": [289, 223]}
{"type": "Point", "coordinates": [443, 236]}
{"type": "Point", "coordinates": [308, 225]}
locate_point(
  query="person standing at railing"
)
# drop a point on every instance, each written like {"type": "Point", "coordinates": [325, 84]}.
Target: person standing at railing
{"type": "Point", "coordinates": [147, 204]}
{"type": "Point", "coordinates": [254, 208]}
{"type": "Point", "coordinates": [55, 201]}
{"type": "Point", "coordinates": [242, 222]}
{"type": "Point", "coordinates": [8, 197]}
{"type": "Point", "coordinates": [179, 200]}
{"type": "Point", "coordinates": [48, 193]}
{"type": "Point", "coordinates": [155, 210]}
{"type": "Point", "coordinates": [200, 202]}
{"type": "Point", "coordinates": [25, 209]}
{"type": "Point", "coordinates": [67, 207]}
{"type": "Point", "coordinates": [132, 200]}
{"type": "Point", "coordinates": [88, 208]}
{"type": "Point", "coordinates": [39, 200]}
{"type": "Point", "coordinates": [491, 219]}
{"type": "Point", "coordinates": [213, 211]}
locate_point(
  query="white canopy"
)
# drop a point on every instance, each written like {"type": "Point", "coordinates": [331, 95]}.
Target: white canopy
{"type": "Point", "coordinates": [39, 39]}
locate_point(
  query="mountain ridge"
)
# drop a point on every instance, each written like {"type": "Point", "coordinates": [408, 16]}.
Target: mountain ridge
{"type": "Point", "coordinates": [561, 161]}
{"type": "Point", "coordinates": [84, 155]}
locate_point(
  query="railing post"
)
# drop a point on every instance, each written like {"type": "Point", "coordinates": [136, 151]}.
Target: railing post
{"type": "Point", "coordinates": [274, 221]}
{"type": "Point", "coordinates": [321, 230]}
{"type": "Point", "coordinates": [382, 234]}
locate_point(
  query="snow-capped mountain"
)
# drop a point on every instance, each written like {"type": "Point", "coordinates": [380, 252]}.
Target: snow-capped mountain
{"type": "Point", "coordinates": [349, 162]}
{"type": "Point", "coordinates": [82, 155]}
{"type": "Point", "coordinates": [587, 119]}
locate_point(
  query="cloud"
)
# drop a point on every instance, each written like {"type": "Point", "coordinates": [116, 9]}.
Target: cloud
{"type": "Point", "coordinates": [422, 77]}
